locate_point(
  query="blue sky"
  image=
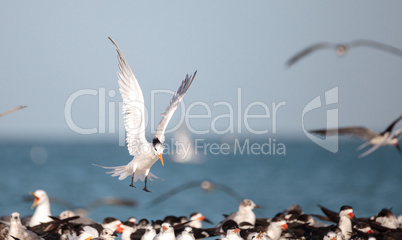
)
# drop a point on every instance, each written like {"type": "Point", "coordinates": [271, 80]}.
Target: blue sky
{"type": "Point", "coordinates": [50, 50]}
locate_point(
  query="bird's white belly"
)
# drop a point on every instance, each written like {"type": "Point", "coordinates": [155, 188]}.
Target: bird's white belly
{"type": "Point", "coordinates": [382, 141]}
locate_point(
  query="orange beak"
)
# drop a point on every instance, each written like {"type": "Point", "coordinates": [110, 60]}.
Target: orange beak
{"type": "Point", "coordinates": [88, 238]}
{"type": "Point", "coordinates": [119, 229]}
{"type": "Point", "coordinates": [351, 215]}
{"type": "Point", "coordinates": [284, 227]}
{"type": "Point", "coordinates": [201, 218]}
{"type": "Point", "coordinates": [165, 228]}
{"type": "Point", "coordinates": [259, 235]}
{"type": "Point", "coordinates": [35, 201]}
{"type": "Point", "coordinates": [161, 158]}
{"type": "Point", "coordinates": [236, 230]}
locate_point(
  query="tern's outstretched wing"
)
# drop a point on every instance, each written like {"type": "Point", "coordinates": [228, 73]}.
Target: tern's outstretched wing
{"type": "Point", "coordinates": [391, 126]}
{"type": "Point", "coordinates": [377, 45]}
{"type": "Point", "coordinates": [360, 132]}
{"type": "Point", "coordinates": [174, 103]}
{"type": "Point", "coordinates": [133, 104]}
{"type": "Point", "coordinates": [307, 51]}
{"type": "Point", "coordinates": [12, 110]}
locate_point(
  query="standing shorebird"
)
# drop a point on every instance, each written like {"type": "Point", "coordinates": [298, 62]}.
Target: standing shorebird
{"type": "Point", "coordinates": [145, 153]}
{"type": "Point", "coordinates": [387, 137]}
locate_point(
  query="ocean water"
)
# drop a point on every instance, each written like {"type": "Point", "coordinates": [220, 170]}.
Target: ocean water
{"type": "Point", "coordinates": [303, 174]}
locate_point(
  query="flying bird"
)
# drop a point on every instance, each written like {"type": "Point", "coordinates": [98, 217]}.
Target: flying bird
{"type": "Point", "coordinates": [387, 137]}
{"type": "Point", "coordinates": [145, 153]}
{"type": "Point", "coordinates": [12, 110]}
{"type": "Point", "coordinates": [205, 185]}
{"type": "Point", "coordinates": [342, 48]}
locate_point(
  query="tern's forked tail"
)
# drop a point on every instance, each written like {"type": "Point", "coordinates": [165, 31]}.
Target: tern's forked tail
{"type": "Point", "coordinates": [121, 171]}
{"type": "Point", "coordinates": [125, 171]}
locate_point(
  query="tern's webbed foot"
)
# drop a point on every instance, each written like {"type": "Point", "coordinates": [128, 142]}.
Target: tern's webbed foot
{"type": "Point", "coordinates": [132, 185]}
{"type": "Point", "coordinates": [146, 189]}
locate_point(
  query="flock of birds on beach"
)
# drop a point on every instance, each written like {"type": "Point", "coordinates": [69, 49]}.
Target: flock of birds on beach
{"type": "Point", "coordinates": [242, 224]}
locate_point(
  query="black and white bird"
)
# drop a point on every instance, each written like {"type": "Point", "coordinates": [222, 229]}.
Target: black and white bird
{"type": "Point", "coordinates": [196, 220]}
{"type": "Point", "coordinates": [145, 153]}
{"type": "Point", "coordinates": [375, 139]}
{"type": "Point", "coordinates": [346, 216]}
{"type": "Point", "coordinates": [342, 48]}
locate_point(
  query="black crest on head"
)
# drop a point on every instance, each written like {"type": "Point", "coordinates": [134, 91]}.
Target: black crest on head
{"type": "Point", "coordinates": [346, 207]}
{"type": "Point", "coordinates": [155, 141]}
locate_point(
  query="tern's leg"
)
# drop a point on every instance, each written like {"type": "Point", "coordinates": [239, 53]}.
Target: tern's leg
{"type": "Point", "coordinates": [145, 188]}
{"type": "Point", "coordinates": [132, 179]}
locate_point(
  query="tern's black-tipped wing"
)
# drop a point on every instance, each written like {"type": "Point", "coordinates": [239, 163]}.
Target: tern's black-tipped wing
{"type": "Point", "coordinates": [377, 45]}
{"type": "Point", "coordinates": [308, 51]}
{"type": "Point", "coordinates": [174, 103]}
{"type": "Point", "coordinates": [359, 132]}
{"type": "Point", "coordinates": [391, 126]}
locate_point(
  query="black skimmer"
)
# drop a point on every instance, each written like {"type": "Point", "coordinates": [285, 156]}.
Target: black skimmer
{"type": "Point", "coordinates": [346, 216]}
{"type": "Point", "coordinates": [275, 228]}
{"type": "Point", "coordinates": [145, 153]}
{"type": "Point", "coordinates": [106, 234]}
{"type": "Point", "coordinates": [52, 227]}
{"type": "Point", "coordinates": [230, 231]}
{"type": "Point", "coordinates": [42, 212]}
{"type": "Point", "coordinates": [233, 234]}
{"type": "Point", "coordinates": [387, 137]}
{"type": "Point", "coordinates": [386, 218]}
{"type": "Point", "coordinates": [112, 223]}
{"type": "Point", "coordinates": [196, 220]}
{"type": "Point", "coordinates": [12, 110]}
{"type": "Point", "coordinates": [342, 48]}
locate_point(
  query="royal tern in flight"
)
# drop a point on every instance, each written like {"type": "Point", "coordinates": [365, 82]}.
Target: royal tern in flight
{"type": "Point", "coordinates": [145, 153]}
{"type": "Point", "coordinates": [12, 110]}
{"type": "Point", "coordinates": [342, 48]}
{"type": "Point", "coordinates": [387, 137]}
